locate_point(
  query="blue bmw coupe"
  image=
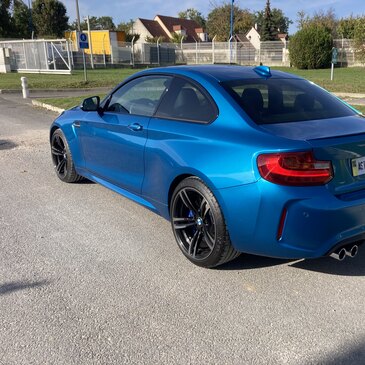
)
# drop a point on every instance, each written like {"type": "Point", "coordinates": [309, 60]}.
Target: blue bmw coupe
{"type": "Point", "coordinates": [239, 159]}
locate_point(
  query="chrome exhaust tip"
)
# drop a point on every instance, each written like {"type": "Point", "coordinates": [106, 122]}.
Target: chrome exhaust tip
{"type": "Point", "coordinates": [339, 254]}
{"type": "Point", "coordinates": [352, 251]}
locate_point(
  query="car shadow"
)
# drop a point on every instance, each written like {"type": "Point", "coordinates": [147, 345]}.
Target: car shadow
{"type": "Point", "coordinates": [6, 144]}
{"type": "Point", "coordinates": [14, 286]}
{"type": "Point", "coordinates": [348, 354]}
{"type": "Point", "coordinates": [326, 265]}
{"type": "Point", "coordinates": [249, 262]}
{"type": "Point", "coordinates": [85, 181]}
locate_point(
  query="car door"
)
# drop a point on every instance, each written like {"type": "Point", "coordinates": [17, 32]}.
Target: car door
{"type": "Point", "coordinates": [113, 143]}
{"type": "Point", "coordinates": [178, 137]}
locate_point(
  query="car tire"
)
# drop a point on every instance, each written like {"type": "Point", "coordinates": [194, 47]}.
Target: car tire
{"type": "Point", "coordinates": [62, 158]}
{"type": "Point", "coordinates": [198, 225]}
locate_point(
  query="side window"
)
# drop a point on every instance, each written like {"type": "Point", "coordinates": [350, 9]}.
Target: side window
{"type": "Point", "coordinates": [186, 101]}
{"type": "Point", "coordinates": [140, 96]}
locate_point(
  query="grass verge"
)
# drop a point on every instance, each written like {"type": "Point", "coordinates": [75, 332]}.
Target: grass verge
{"type": "Point", "coordinates": [360, 108]}
{"type": "Point", "coordinates": [351, 79]}
{"type": "Point", "coordinates": [66, 103]}
{"type": "Point", "coordinates": [96, 78]}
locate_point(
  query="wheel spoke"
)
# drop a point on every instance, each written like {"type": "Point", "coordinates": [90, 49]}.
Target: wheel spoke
{"type": "Point", "coordinates": [60, 165]}
{"type": "Point", "coordinates": [182, 223]}
{"type": "Point", "coordinates": [209, 240]}
{"type": "Point", "coordinates": [186, 200]}
{"type": "Point", "coordinates": [58, 141]}
{"type": "Point", "coordinates": [57, 151]}
{"type": "Point", "coordinates": [194, 243]}
{"type": "Point", "coordinates": [204, 208]}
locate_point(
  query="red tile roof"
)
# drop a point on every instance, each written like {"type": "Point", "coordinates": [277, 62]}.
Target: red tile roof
{"type": "Point", "coordinates": [187, 24]}
{"type": "Point", "coordinates": [154, 28]}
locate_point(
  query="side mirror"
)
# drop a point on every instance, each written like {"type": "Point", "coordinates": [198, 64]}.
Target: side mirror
{"type": "Point", "coordinates": [91, 104]}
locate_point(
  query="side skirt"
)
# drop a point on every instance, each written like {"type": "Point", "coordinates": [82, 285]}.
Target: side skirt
{"type": "Point", "coordinates": [136, 198]}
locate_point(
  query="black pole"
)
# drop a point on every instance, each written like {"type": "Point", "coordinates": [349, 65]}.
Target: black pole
{"type": "Point", "coordinates": [30, 19]}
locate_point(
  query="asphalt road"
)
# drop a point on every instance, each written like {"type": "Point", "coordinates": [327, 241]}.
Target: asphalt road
{"type": "Point", "coordinates": [88, 277]}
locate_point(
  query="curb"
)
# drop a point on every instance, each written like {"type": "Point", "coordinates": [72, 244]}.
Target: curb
{"type": "Point", "coordinates": [350, 95]}
{"type": "Point", "coordinates": [47, 106]}
{"type": "Point", "coordinates": [10, 91]}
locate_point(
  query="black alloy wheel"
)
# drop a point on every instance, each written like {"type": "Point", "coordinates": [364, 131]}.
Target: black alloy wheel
{"type": "Point", "coordinates": [62, 158]}
{"type": "Point", "coordinates": [199, 226]}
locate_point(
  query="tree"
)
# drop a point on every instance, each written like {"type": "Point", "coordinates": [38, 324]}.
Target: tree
{"type": "Point", "coordinates": [359, 39]}
{"type": "Point", "coordinates": [326, 19]}
{"type": "Point", "coordinates": [105, 22]}
{"type": "Point", "coordinates": [302, 19]}
{"type": "Point", "coordinates": [346, 27]}
{"type": "Point", "coordinates": [218, 21]}
{"type": "Point", "coordinates": [310, 47]}
{"type": "Point", "coordinates": [268, 31]}
{"type": "Point", "coordinates": [177, 38]}
{"type": "Point", "coordinates": [96, 23]}
{"type": "Point", "coordinates": [193, 14]}
{"type": "Point", "coordinates": [154, 39]}
{"type": "Point", "coordinates": [127, 27]}
{"type": "Point", "coordinates": [280, 22]}
{"type": "Point", "coordinates": [21, 19]}
{"type": "Point", "coordinates": [6, 24]}
{"type": "Point", "coordinates": [49, 17]}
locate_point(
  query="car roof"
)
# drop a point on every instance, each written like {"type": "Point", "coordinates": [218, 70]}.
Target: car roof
{"type": "Point", "coordinates": [221, 72]}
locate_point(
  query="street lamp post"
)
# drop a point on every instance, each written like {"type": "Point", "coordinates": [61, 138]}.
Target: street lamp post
{"type": "Point", "coordinates": [79, 28]}
{"type": "Point", "coordinates": [30, 20]}
{"type": "Point", "coordinates": [231, 33]}
{"type": "Point", "coordinates": [231, 27]}
{"type": "Point", "coordinates": [78, 16]}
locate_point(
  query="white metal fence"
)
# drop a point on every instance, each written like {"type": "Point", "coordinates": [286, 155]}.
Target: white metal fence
{"type": "Point", "coordinates": [39, 56]}
{"type": "Point", "coordinates": [346, 52]}
{"type": "Point", "coordinates": [60, 56]}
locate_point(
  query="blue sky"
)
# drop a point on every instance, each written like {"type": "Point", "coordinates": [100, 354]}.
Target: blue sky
{"type": "Point", "coordinates": [123, 10]}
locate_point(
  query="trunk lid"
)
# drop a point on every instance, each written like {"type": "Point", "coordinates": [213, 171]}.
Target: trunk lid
{"type": "Point", "coordinates": [339, 140]}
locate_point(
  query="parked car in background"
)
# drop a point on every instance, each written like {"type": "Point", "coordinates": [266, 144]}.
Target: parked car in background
{"type": "Point", "coordinates": [239, 159]}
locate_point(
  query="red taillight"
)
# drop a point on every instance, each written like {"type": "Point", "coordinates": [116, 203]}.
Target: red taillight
{"type": "Point", "coordinates": [294, 168]}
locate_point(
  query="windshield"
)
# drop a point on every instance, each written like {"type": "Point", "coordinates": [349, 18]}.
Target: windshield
{"type": "Point", "coordinates": [285, 100]}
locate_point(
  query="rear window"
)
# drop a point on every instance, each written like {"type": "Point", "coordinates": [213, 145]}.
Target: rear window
{"type": "Point", "coordinates": [285, 100]}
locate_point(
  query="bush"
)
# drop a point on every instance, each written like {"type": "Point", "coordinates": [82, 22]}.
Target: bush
{"type": "Point", "coordinates": [310, 47]}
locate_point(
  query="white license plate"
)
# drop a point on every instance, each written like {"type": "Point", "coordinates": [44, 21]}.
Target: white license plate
{"type": "Point", "coordinates": [358, 166]}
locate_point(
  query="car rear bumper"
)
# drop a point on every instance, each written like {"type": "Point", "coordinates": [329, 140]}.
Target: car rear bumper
{"type": "Point", "coordinates": [314, 221]}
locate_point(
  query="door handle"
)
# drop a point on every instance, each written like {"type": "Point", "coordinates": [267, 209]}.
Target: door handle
{"type": "Point", "coordinates": [135, 127]}
{"type": "Point", "coordinates": [76, 124]}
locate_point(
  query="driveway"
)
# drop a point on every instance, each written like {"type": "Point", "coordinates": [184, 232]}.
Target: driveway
{"type": "Point", "coordinates": [88, 277]}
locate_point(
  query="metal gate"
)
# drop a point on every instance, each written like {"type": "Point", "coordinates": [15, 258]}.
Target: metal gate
{"type": "Point", "coordinates": [39, 56]}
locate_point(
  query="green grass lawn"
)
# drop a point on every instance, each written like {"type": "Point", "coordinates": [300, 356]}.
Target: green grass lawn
{"type": "Point", "coordinates": [96, 78]}
{"type": "Point", "coordinates": [360, 108]}
{"type": "Point", "coordinates": [351, 80]}
{"type": "Point", "coordinates": [66, 103]}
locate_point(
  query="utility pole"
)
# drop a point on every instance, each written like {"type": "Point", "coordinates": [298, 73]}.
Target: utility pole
{"type": "Point", "coordinates": [79, 28]}
{"type": "Point", "coordinates": [78, 16]}
{"type": "Point", "coordinates": [231, 31]}
{"type": "Point", "coordinates": [90, 42]}
{"type": "Point", "coordinates": [30, 19]}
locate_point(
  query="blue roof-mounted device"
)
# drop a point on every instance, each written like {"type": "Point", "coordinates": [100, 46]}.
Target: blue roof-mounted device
{"type": "Point", "coordinates": [263, 71]}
